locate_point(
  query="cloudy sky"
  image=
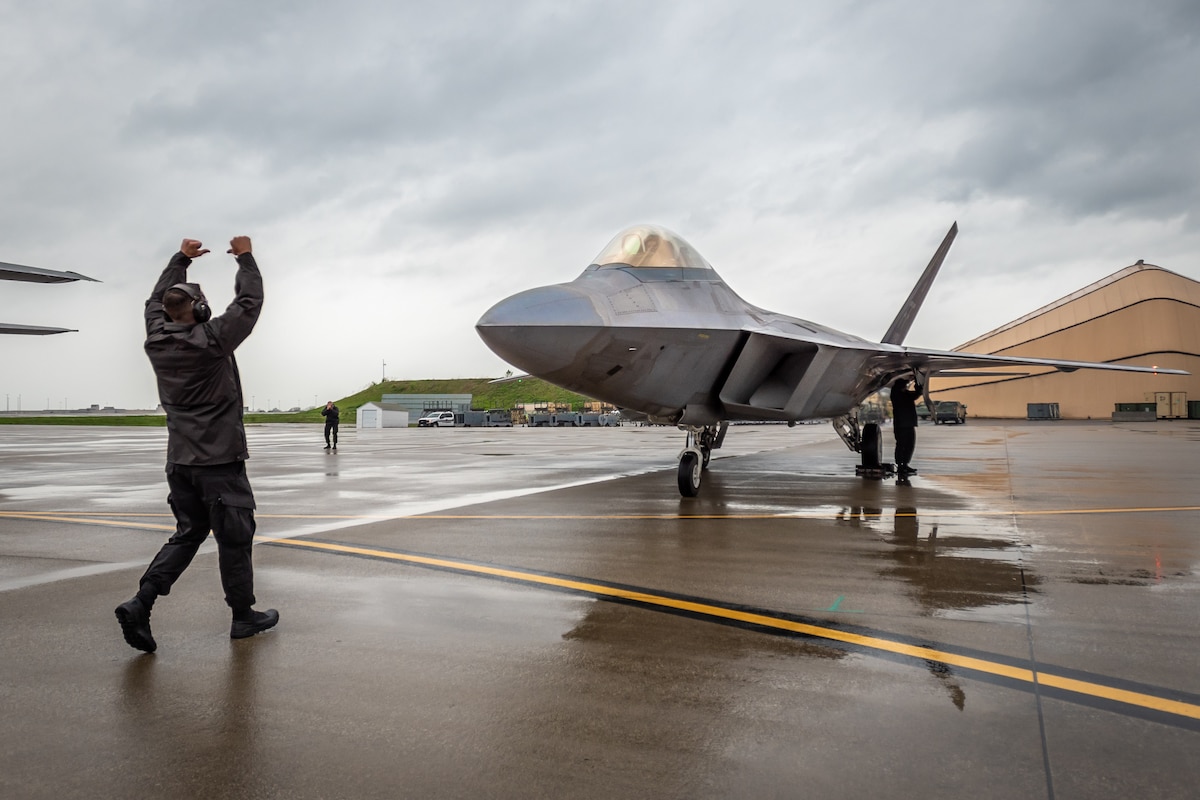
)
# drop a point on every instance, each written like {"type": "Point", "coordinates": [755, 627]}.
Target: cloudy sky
{"type": "Point", "coordinates": [401, 166]}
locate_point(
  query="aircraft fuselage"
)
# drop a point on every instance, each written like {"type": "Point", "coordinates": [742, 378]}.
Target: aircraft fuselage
{"type": "Point", "coordinates": [679, 346]}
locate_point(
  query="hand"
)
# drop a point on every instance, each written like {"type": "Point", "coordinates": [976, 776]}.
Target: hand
{"type": "Point", "coordinates": [192, 248]}
{"type": "Point", "coordinates": [239, 245]}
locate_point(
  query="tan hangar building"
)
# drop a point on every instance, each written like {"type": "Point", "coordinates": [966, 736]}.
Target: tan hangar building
{"type": "Point", "coordinates": [1142, 315]}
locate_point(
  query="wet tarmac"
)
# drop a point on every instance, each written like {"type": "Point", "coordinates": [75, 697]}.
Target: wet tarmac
{"type": "Point", "coordinates": [537, 613]}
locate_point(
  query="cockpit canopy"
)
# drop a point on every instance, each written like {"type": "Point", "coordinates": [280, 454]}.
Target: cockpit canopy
{"type": "Point", "coordinates": [653, 253]}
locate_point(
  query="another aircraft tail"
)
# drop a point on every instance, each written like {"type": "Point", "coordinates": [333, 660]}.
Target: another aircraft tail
{"type": "Point", "coordinates": [908, 312]}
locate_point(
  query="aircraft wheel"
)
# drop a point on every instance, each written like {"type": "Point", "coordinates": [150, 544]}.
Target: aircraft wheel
{"type": "Point", "coordinates": [690, 467]}
{"type": "Point", "coordinates": [706, 456]}
{"type": "Point", "coordinates": [872, 446]}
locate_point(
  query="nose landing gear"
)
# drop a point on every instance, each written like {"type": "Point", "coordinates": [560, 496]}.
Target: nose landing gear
{"type": "Point", "coordinates": [696, 454]}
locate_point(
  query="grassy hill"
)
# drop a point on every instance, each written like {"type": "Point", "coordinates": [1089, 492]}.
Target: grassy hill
{"type": "Point", "coordinates": [484, 395]}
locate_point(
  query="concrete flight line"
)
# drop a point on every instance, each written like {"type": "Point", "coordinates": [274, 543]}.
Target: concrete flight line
{"type": "Point", "coordinates": [90, 518]}
{"type": "Point", "coordinates": [1177, 712]}
{"type": "Point", "coordinates": [1183, 713]}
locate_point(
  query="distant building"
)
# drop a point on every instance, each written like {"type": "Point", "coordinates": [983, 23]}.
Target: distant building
{"type": "Point", "coordinates": [381, 415]}
{"type": "Point", "coordinates": [1143, 315]}
{"type": "Point", "coordinates": [418, 404]}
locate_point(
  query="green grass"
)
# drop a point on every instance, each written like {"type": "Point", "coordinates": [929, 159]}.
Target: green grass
{"type": "Point", "coordinates": [484, 395]}
{"type": "Point", "coordinates": [146, 420]}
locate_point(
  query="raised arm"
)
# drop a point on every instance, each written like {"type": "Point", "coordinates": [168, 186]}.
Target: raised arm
{"type": "Point", "coordinates": [233, 326]}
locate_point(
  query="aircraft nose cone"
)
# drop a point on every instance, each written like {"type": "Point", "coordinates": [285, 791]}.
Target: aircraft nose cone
{"type": "Point", "coordinates": [546, 305]}
{"type": "Point", "coordinates": [535, 330]}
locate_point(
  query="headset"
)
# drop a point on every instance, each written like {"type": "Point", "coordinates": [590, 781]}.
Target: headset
{"type": "Point", "coordinates": [200, 308]}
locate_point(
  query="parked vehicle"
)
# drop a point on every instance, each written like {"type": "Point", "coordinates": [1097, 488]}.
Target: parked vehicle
{"type": "Point", "coordinates": [437, 419]}
{"type": "Point", "coordinates": [950, 411]}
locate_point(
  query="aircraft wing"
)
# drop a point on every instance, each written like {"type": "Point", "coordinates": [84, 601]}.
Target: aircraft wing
{"type": "Point", "coordinates": [943, 360]}
{"type": "Point", "coordinates": [783, 375]}
{"type": "Point", "coordinates": [32, 330]}
{"type": "Point", "coordinates": [19, 272]}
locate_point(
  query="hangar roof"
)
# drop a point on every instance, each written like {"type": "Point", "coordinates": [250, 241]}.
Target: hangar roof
{"type": "Point", "coordinates": [1154, 283]}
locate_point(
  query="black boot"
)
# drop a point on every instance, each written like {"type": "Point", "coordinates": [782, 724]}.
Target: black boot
{"type": "Point", "coordinates": [254, 622]}
{"type": "Point", "coordinates": [135, 625]}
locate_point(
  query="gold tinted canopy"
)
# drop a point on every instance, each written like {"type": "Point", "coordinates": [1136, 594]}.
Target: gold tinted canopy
{"type": "Point", "coordinates": [650, 246]}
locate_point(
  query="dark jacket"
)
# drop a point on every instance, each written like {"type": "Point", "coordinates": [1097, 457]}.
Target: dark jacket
{"type": "Point", "coordinates": [198, 381]}
{"type": "Point", "coordinates": [331, 416]}
{"type": "Point", "coordinates": [904, 404]}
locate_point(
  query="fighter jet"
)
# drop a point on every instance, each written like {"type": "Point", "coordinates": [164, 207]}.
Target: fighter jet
{"type": "Point", "coordinates": [653, 329]}
{"type": "Point", "coordinates": [17, 272]}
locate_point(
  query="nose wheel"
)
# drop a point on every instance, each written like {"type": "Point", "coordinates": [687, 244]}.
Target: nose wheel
{"type": "Point", "coordinates": [691, 467]}
{"type": "Point", "coordinates": [696, 454]}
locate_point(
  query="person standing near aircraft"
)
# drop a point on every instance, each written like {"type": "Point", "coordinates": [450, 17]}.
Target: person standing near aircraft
{"type": "Point", "coordinates": [200, 390]}
{"type": "Point", "coordinates": [904, 423]}
{"type": "Point", "coordinates": [330, 413]}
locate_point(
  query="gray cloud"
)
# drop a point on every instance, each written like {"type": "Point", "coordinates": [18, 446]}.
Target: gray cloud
{"type": "Point", "coordinates": [380, 152]}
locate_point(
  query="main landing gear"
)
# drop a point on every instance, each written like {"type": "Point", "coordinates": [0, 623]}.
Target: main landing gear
{"type": "Point", "coordinates": [696, 453]}
{"type": "Point", "coordinates": [868, 443]}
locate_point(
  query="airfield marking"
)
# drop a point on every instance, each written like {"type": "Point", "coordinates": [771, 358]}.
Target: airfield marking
{"type": "Point", "coordinates": [90, 517]}
{"type": "Point", "coordinates": [926, 654]}
{"type": "Point", "coordinates": [1020, 674]}
{"type": "Point", "coordinates": [83, 518]}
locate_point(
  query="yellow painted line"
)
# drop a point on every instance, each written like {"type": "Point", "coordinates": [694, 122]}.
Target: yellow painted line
{"type": "Point", "coordinates": [168, 515]}
{"type": "Point", "coordinates": [1089, 688]}
{"type": "Point", "coordinates": [69, 516]}
{"type": "Point", "coordinates": [55, 517]}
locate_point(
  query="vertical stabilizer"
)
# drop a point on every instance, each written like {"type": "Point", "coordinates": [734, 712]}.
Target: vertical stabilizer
{"type": "Point", "coordinates": [908, 312]}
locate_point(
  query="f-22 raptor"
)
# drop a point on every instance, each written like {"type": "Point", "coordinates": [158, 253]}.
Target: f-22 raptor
{"type": "Point", "coordinates": [653, 329]}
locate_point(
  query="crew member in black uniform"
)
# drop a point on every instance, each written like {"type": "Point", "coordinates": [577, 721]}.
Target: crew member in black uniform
{"type": "Point", "coordinates": [330, 413]}
{"type": "Point", "coordinates": [200, 390]}
{"type": "Point", "coordinates": [904, 423]}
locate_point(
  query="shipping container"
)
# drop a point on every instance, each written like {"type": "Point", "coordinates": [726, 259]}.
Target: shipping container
{"type": "Point", "coordinates": [1171, 405]}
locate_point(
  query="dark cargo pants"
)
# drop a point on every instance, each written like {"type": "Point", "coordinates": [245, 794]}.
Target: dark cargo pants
{"type": "Point", "coordinates": [906, 442]}
{"type": "Point", "coordinates": [213, 498]}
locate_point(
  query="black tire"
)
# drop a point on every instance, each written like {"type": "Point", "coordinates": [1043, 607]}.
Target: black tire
{"type": "Point", "coordinates": [689, 474]}
{"type": "Point", "coordinates": [872, 446]}
{"type": "Point", "coordinates": [706, 456]}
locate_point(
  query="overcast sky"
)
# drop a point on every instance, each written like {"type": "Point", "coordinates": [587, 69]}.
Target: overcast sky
{"type": "Point", "coordinates": [401, 166]}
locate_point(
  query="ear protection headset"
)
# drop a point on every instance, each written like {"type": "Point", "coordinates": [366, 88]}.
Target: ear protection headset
{"type": "Point", "coordinates": [200, 308]}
